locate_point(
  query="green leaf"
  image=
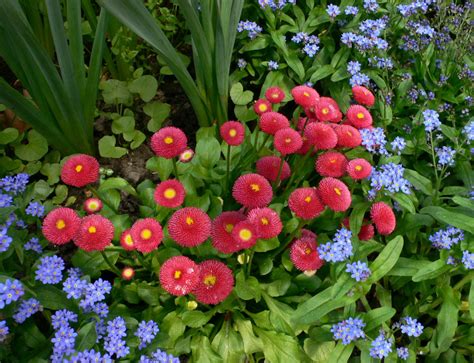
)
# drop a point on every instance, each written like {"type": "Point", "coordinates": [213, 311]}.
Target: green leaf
{"type": "Point", "coordinates": [195, 318]}
{"type": "Point", "coordinates": [247, 288]}
{"type": "Point", "coordinates": [146, 86]}
{"type": "Point", "coordinates": [357, 217]}
{"type": "Point", "coordinates": [445, 330]}
{"type": "Point", "coordinates": [419, 181]}
{"type": "Point", "coordinates": [91, 263]}
{"type": "Point", "coordinates": [158, 112]}
{"type": "Point", "coordinates": [464, 202]}
{"type": "Point", "coordinates": [374, 318]}
{"type": "Point", "coordinates": [278, 347]}
{"type": "Point", "coordinates": [431, 270]}
{"type": "Point", "coordinates": [149, 294]}
{"type": "Point", "coordinates": [455, 219]}
{"type": "Point", "coordinates": [228, 343]}
{"type": "Point", "coordinates": [202, 351]}
{"type": "Point", "coordinates": [404, 201]}
{"type": "Point", "coordinates": [138, 139]}
{"type": "Point", "coordinates": [208, 151]}
{"type": "Point", "coordinates": [115, 92]}
{"type": "Point", "coordinates": [341, 353]}
{"type": "Point", "coordinates": [117, 183]}
{"type": "Point", "coordinates": [280, 315]}
{"type": "Point", "coordinates": [162, 166]}
{"type": "Point", "coordinates": [8, 135]}
{"type": "Point", "coordinates": [35, 149]}
{"type": "Point", "coordinates": [123, 125]}
{"type": "Point", "coordinates": [42, 189]}
{"type": "Point", "coordinates": [407, 267]}
{"type": "Point", "coordinates": [264, 245]}
{"type": "Point", "coordinates": [52, 171]}
{"type": "Point", "coordinates": [251, 342]}
{"type": "Point", "coordinates": [321, 73]}
{"type": "Point", "coordinates": [386, 259]}
{"type": "Point", "coordinates": [318, 351]}
{"type": "Point", "coordinates": [86, 337]}
{"type": "Point", "coordinates": [53, 298]}
{"type": "Point", "coordinates": [107, 148]}
{"type": "Point", "coordinates": [471, 300]}
{"type": "Point", "coordinates": [239, 96]}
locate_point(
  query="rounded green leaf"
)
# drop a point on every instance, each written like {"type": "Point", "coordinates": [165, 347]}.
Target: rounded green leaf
{"type": "Point", "coordinates": [35, 149]}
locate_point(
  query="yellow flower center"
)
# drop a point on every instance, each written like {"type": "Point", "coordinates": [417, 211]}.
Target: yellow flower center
{"type": "Point", "coordinates": [255, 187]}
{"type": "Point", "coordinates": [288, 140]}
{"type": "Point", "coordinates": [78, 168]}
{"type": "Point", "coordinates": [306, 94]}
{"type": "Point", "coordinates": [145, 234]}
{"type": "Point", "coordinates": [92, 229]}
{"type": "Point", "coordinates": [169, 193]}
{"type": "Point", "coordinates": [349, 133]}
{"type": "Point", "coordinates": [232, 132]}
{"type": "Point", "coordinates": [338, 191]}
{"type": "Point", "coordinates": [210, 280]}
{"type": "Point", "coordinates": [264, 221]}
{"type": "Point", "coordinates": [128, 272]}
{"type": "Point", "coordinates": [60, 224]}
{"type": "Point", "coordinates": [307, 250]}
{"type": "Point", "coordinates": [128, 240]}
{"type": "Point", "coordinates": [189, 221]}
{"type": "Point", "coordinates": [229, 227]}
{"type": "Point", "coordinates": [275, 95]}
{"type": "Point", "coordinates": [332, 161]}
{"type": "Point", "coordinates": [93, 205]}
{"type": "Point", "coordinates": [168, 140]}
{"type": "Point", "coordinates": [245, 234]}
{"type": "Point", "coordinates": [262, 107]}
{"type": "Point", "coordinates": [307, 199]}
{"type": "Point", "coordinates": [177, 274]}
{"type": "Point", "coordinates": [325, 111]}
{"type": "Point", "coordinates": [358, 168]}
{"type": "Point", "coordinates": [360, 115]}
{"type": "Point", "coordinates": [186, 155]}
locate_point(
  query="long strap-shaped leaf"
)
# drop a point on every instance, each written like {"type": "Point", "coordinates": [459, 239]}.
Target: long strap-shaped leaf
{"type": "Point", "coordinates": [134, 14]}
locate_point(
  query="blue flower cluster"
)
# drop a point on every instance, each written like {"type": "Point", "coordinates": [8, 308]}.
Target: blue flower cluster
{"type": "Point", "coordinates": [333, 10]}
{"type": "Point", "coordinates": [381, 347]}
{"type": "Point", "coordinates": [374, 140]}
{"type": "Point", "coordinates": [371, 5]}
{"type": "Point", "coordinates": [95, 292]}
{"type": "Point", "coordinates": [5, 239]}
{"type": "Point", "coordinates": [89, 356]}
{"type": "Point", "coordinates": [241, 63]}
{"type": "Point", "coordinates": [371, 30]}
{"type": "Point", "coordinates": [415, 7]}
{"type": "Point", "coordinates": [358, 270]}
{"type": "Point", "coordinates": [310, 42]}
{"type": "Point", "coordinates": [10, 291]}
{"type": "Point", "coordinates": [431, 120]}
{"type": "Point", "coordinates": [348, 330]}
{"type": "Point", "coordinates": [358, 78]}
{"type": "Point", "coordinates": [146, 332]}
{"type": "Point", "coordinates": [63, 317]}
{"type": "Point", "coordinates": [390, 178]}
{"type": "Point", "coordinates": [3, 330]}
{"type": "Point", "coordinates": [468, 260]}
{"type": "Point", "coordinates": [159, 357]}
{"type": "Point", "coordinates": [340, 249]}
{"type": "Point", "coordinates": [6, 200]}
{"type": "Point", "coordinates": [50, 269]}
{"type": "Point", "coordinates": [250, 26]}
{"type": "Point", "coordinates": [381, 62]}
{"type": "Point", "coordinates": [114, 343]}
{"type": "Point", "coordinates": [445, 156]}
{"type": "Point", "coordinates": [275, 4]}
{"type": "Point", "coordinates": [272, 65]}
{"type": "Point", "coordinates": [411, 327]}
{"type": "Point", "coordinates": [402, 353]}
{"type": "Point", "coordinates": [398, 144]}
{"type": "Point", "coordinates": [26, 309]}
{"type": "Point", "coordinates": [15, 184]}
{"type": "Point", "coordinates": [63, 342]}
{"type": "Point", "coordinates": [445, 238]}
{"type": "Point", "coordinates": [351, 10]}
{"type": "Point", "coordinates": [33, 245]}
{"type": "Point", "coordinates": [35, 209]}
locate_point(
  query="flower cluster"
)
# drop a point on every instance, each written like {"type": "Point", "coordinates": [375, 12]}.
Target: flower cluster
{"type": "Point", "coordinates": [5, 239]}
{"type": "Point", "coordinates": [114, 342]}
{"type": "Point", "coordinates": [358, 270]}
{"type": "Point", "coordinates": [348, 330]}
{"type": "Point", "coordinates": [446, 238]}
{"type": "Point", "coordinates": [431, 120]}
{"type": "Point", "coordinates": [411, 327]}
{"type": "Point", "coordinates": [159, 357]}
{"type": "Point", "coordinates": [14, 184]}
{"type": "Point", "coordinates": [310, 43]}
{"type": "Point", "coordinates": [50, 269]}
{"type": "Point", "coordinates": [381, 346]}
{"type": "Point", "coordinates": [468, 259]}
{"type": "Point", "coordinates": [35, 209]}
{"type": "Point", "coordinates": [33, 245]}
{"type": "Point", "coordinates": [64, 336]}
{"type": "Point", "coordinates": [374, 140]}
{"type": "Point", "coordinates": [250, 26]}
{"type": "Point", "coordinates": [10, 291]}
{"type": "Point", "coordinates": [275, 4]}
{"type": "Point", "coordinates": [26, 309]}
{"type": "Point", "coordinates": [389, 177]}
{"type": "Point", "coordinates": [146, 332]}
{"type": "Point", "coordinates": [340, 249]}
{"type": "Point", "coordinates": [445, 156]}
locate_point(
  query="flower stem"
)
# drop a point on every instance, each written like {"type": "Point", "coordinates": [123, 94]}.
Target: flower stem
{"type": "Point", "coordinates": [264, 142]}
{"type": "Point", "coordinates": [110, 264]}
{"type": "Point", "coordinates": [295, 233]}
{"type": "Point", "coordinates": [364, 302]}
{"type": "Point", "coordinates": [249, 266]}
{"type": "Point", "coordinates": [227, 169]}
{"type": "Point", "coordinates": [277, 180]}
{"type": "Point", "coordinates": [175, 169]}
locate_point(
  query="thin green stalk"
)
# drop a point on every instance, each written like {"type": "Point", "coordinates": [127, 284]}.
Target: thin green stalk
{"type": "Point", "coordinates": [249, 266]}
{"type": "Point", "coordinates": [175, 168]}
{"type": "Point", "coordinates": [264, 142]}
{"type": "Point", "coordinates": [257, 134]}
{"type": "Point", "coordinates": [290, 238]}
{"type": "Point", "coordinates": [303, 161]}
{"type": "Point", "coordinates": [364, 302]}
{"type": "Point", "coordinates": [96, 193]}
{"type": "Point", "coordinates": [227, 169]}
{"type": "Point", "coordinates": [280, 169]}
{"type": "Point", "coordinates": [109, 263]}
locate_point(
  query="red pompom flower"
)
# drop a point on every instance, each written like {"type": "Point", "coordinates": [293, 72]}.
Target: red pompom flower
{"type": "Point", "coordinates": [305, 203]}
{"type": "Point", "coordinates": [244, 234]}
{"type": "Point", "coordinates": [383, 217]}
{"type": "Point", "coordinates": [189, 226]}
{"type": "Point", "coordinates": [327, 110]}
{"type": "Point", "coordinates": [268, 167]}
{"type": "Point", "coordinates": [359, 169]}
{"type": "Point", "coordinates": [95, 233]}
{"type": "Point", "coordinates": [322, 136]}
{"type": "Point", "coordinates": [169, 142]}
{"type": "Point", "coordinates": [232, 132]}
{"type": "Point", "coordinates": [366, 230]}
{"type": "Point", "coordinates": [287, 141]}
{"type": "Point", "coordinates": [348, 136]}
{"type": "Point", "coordinates": [80, 170]}
{"type": "Point", "coordinates": [93, 205]}
{"type": "Point", "coordinates": [186, 156]}
{"type": "Point", "coordinates": [305, 96]}
{"type": "Point", "coordinates": [215, 282]}
{"type": "Point", "coordinates": [170, 193]}
{"type": "Point", "coordinates": [266, 221]}
{"type": "Point", "coordinates": [128, 273]}
{"type": "Point", "coordinates": [60, 225]}
{"type": "Point", "coordinates": [359, 116]}
{"type": "Point", "coordinates": [363, 96]}
{"type": "Point", "coordinates": [252, 191]}
{"type": "Point", "coordinates": [305, 256]}
{"type": "Point", "coordinates": [274, 95]}
{"type": "Point", "coordinates": [221, 233]}
{"type": "Point", "coordinates": [179, 275]}
{"type": "Point", "coordinates": [331, 163]}
{"type": "Point", "coordinates": [126, 240]}
{"type": "Point", "coordinates": [271, 122]}
{"type": "Point", "coordinates": [335, 194]}
{"type": "Point", "coordinates": [147, 234]}
{"type": "Point", "coordinates": [261, 106]}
